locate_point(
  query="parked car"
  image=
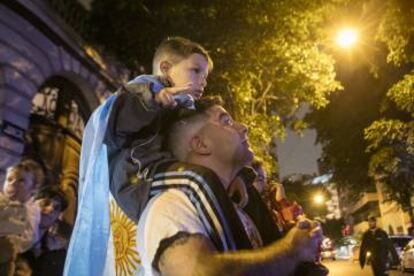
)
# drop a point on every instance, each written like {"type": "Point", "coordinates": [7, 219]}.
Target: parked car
{"type": "Point", "coordinates": [407, 257]}
{"type": "Point", "coordinates": [399, 242]}
{"type": "Point", "coordinates": [355, 253]}
{"type": "Point", "coordinates": [328, 249]}
{"type": "Point", "coordinates": [328, 254]}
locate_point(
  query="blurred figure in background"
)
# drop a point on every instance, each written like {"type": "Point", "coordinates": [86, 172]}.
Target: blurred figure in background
{"type": "Point", "coordinates": [47, 256]}
{"type": "Point", "coordinates": [19, 214]}
{"type": "Point", "coordinates": [376, 241]}
{"type": "Point", "coordinates": [260, 182]}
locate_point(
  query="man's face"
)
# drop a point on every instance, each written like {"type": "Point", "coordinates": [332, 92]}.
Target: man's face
{"type": "Point", "coordinates": [260, 181]}
{"type": "Point", "coordinates": [18, 185]}
{"type": "Point", "coordinates": [227, 138]}
{"type": "Point", "coordinates": [194, 70]}
{"type": "Point", "coordinates": [372, 223]}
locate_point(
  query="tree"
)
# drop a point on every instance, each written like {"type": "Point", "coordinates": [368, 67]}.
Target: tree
{"type": "Point", "coordinates": [340, 127]}
{"type": "Point", "coordinates": [391, 138]}
{"type": "Point", "coordinates": [269, 55]}
{"type": "Point", "coordinates": [359, 128]}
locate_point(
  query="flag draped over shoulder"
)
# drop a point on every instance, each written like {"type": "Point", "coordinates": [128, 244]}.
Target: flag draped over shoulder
{"type": "Point", "coordinates": [89, 242]}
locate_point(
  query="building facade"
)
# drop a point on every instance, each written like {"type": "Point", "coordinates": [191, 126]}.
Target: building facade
{"type": "Point", "coordinates": [50, 83]}
{"type": "Point", "coordinates": [390, 216]}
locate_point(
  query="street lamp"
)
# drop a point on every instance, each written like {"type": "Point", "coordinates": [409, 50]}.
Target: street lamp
{"type": "Point", "coordinates": [319, 199]}
{"type": "Point", "coordinates": [347, 37]}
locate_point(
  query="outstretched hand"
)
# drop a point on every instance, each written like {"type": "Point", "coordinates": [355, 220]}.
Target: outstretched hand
{"type": "Point", "coordinates": [165, 96]}
{"type": "Point", "coordinates": [304, 239]}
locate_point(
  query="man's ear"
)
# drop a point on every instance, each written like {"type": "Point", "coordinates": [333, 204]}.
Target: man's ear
{"type": "Point", "coordinates": [165, 67]}
{"type": "Point", "coordinates": [199, 145]}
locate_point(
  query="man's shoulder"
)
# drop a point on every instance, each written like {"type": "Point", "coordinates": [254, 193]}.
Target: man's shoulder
{"type": "Point", "coordinates": [175, 169]}
{"type": "Point", "coordinates": [166, 214]}
{"type": "Point", "coordinates": [382, 232]}
{"type": "Point", "coordinates": [367, 233]}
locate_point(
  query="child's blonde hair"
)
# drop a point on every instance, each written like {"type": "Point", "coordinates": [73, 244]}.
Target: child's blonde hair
{"type": "Point", "coordinates": [175, 49]}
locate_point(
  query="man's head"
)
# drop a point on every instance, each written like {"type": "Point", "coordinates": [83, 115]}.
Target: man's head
{"type": "Point", "coordinates": [52, 202]}
{"type": "Point", "coordinates": [261, 178]}
{"type": "Point", "coordinates": [22, 180]}
{"type": "Point", "coordinates": [372, 222]}
{"type": "Point", "coordinates": [210, 135]}
{"type": "Point", "coordinates": [181, 61]}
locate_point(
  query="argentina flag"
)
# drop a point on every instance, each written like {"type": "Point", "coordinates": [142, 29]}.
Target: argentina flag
{"type": "Point", "coordinates": [103, 240]}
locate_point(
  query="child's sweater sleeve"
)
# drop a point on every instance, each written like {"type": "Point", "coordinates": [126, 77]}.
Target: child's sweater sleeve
{"type": "Point", "coordinates": [133, 130]}
{"type": "Point", "coordinates": [133, 115]}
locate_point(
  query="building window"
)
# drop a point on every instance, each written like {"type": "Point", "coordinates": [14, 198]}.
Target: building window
{"type": "Point", "coordinates": [58, 101]}
{"type": "Point", "coordinates": [44, 102]}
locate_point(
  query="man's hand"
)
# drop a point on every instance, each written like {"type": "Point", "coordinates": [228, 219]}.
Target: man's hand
{"type": "Point", "coordinates": [165, 96]}
{"type": "Point", "coordinates": [193, 254]}
{"type": "Point", "coordinates": [304, 240]}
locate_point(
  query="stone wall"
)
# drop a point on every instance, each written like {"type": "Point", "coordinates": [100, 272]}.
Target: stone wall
{"type": "Point", "coordinates": [34, 47]}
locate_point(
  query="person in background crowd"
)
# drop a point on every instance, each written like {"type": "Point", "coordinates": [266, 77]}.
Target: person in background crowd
{"type": "Point", "coordinates": [285, 213]}
{"type": "Point", "coordinates": [260, 182]}
{"type": "Point", "coordinates": [376, 241]}
{"type": "Point", "coordinates": [20, 216]}
{"type": "Point", "coordinates": [47, 256]}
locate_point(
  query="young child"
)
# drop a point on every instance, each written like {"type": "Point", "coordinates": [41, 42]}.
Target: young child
{"type": "Point", "coordinates": [21, 183]}
{"type": "Point", "coordinates": [19, 217]}
{"type": "Point", "coordinates": [141, 113]}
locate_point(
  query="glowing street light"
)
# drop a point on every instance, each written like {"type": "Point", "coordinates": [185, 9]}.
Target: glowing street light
{"type": "Point", "coordinates": [347, 37]}
{"type": "Point", "coordinates": [319, 199]}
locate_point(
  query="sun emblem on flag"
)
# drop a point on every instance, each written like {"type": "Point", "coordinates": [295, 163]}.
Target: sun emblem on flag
{"type": "Point", "coordinates": [124, 236]}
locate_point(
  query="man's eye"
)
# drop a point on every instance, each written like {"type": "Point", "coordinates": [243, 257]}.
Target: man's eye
{"type": "Point", "coordinates": [228, 121]}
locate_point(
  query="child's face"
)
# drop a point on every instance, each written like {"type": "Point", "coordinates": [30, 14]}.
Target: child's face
{"type": "Point", "coordinates": [194, 70]}
{"type": "Point", "coordinates": [18, 185]}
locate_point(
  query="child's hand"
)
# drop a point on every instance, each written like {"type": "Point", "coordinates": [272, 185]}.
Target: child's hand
{"type": "Point", "coordinates": [165, 96]}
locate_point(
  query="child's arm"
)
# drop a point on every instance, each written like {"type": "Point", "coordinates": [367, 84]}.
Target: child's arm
{"type": "Point", "coordinates": [133, 110]}
{"type": "Point", "coordinates": [135, 113]}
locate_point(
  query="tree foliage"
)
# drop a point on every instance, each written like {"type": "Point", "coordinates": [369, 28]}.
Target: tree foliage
{"type": "Point", "coordinates": [367, 130]}
{"type": "Point", "coordinates": [340, 130]}
{"type": "Point", "coordinates": [391, 138]}
{"type": "Point", "coordinates": [269, 55]}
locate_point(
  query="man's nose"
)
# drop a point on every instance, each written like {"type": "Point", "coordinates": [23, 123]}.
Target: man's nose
{"type": "Point", "coordinates": [242, 128]}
